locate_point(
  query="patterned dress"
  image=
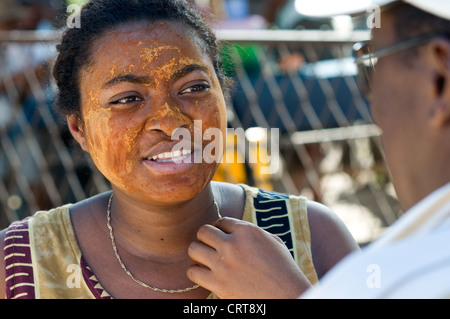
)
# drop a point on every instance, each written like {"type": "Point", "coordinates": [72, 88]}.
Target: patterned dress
{"type": "Point", "coordinates": [43, 259]}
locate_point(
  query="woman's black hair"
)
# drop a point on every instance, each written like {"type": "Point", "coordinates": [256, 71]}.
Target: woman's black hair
{"type": "Point", "coordinates": [99, 16]}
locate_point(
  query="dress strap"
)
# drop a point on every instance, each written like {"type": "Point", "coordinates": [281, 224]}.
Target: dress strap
{"type": "Point", "coordinates": [272, 215]}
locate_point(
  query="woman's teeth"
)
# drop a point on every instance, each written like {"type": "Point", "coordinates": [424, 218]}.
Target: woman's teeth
{"type": "Point", "coordinates": [170, 156]}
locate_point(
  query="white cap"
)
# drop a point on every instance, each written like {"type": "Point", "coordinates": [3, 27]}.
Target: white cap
{"type": "Point", "coordinates": [323, 8]}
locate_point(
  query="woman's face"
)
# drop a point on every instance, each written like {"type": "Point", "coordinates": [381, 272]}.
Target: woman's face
{"type": "Point", "coordinates": [145, 82]}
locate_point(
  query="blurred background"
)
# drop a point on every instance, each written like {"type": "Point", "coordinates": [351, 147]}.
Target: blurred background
{"type": "Point", "coordinates": [291, 72]}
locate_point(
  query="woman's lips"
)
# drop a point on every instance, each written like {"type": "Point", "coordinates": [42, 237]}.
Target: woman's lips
{"type": "Point", "coordinates": [173, 162]}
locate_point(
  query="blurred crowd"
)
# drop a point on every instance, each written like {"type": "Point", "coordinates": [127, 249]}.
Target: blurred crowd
{"type": "Point", "coordinates": [30, 14]}
{"type": "Point", "coordinates": [255, 14]}
{"type": "Point", "coordinates": [235, 14]}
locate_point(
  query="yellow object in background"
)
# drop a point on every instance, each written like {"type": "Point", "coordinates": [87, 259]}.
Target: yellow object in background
{"type": "Point", "coordinates": [233, 166]}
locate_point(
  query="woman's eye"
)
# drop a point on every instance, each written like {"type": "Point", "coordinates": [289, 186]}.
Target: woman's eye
{"type": "Point", "coordinates": [196, 88]}
{"type": "Point", "coordinates": [127, 99]}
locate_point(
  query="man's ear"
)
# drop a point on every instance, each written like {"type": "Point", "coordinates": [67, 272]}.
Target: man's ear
{"type": "Point", "coordinates": [76, 129]}
{"type": "Point", "coordinates": [440, 112]}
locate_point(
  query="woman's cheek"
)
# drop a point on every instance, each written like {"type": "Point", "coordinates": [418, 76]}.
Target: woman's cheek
{"type": "Point", "coordinates": [111, 149]}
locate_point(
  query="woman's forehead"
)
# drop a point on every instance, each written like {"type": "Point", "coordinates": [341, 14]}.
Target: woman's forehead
{"type": "Point", "coordinates": [150, 34]}
{"type": "Point", "coordinates": [140, 42]}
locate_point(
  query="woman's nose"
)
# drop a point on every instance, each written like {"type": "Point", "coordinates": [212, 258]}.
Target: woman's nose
{"type": "Point", "coordinates": [166, 119]}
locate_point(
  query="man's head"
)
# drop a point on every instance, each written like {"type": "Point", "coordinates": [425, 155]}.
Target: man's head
{"type": "Point", "coordinates": [410, 93]}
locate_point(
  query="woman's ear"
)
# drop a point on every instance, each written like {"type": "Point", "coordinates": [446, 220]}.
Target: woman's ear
{"type": "Point", "coordinates": [441, 109]}
{"type": "Point", "coordinates": [77, 131]}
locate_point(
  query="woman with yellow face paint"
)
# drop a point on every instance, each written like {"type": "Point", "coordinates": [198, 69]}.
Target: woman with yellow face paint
{"type": "Point", "coordinates": [134, 74]}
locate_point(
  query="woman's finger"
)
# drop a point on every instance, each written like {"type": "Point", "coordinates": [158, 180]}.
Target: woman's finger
{"type": "Point", "coordinates": [201, 276]}
{"type": "Point", "coordinates": [210, 235]}
{"type": "Point", "coordinates": [228, 224]}
{"type": "Point", "coordinates": [201, 253]}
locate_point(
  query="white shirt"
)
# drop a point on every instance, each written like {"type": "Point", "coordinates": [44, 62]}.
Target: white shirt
{"type": "Point", "coordinates": [411, 260]}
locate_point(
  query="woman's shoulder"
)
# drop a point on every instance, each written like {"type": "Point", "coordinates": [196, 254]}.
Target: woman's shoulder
{"type": "Point", "coordinates": [50, 226]}
{"type": "Point", "coordinates": [52, 218]}
{"type": "Point", "coordinates": [17, 237]}
{"type": "Point", "coordinates": [330, 239]}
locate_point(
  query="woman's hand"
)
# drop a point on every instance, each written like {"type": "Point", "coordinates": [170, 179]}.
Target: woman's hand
{"type": "Point", "coordinates": [237, 259]}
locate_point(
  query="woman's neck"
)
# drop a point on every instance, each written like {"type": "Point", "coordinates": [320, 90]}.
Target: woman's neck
{"type": "Point", "coordinates": [160, 231]}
